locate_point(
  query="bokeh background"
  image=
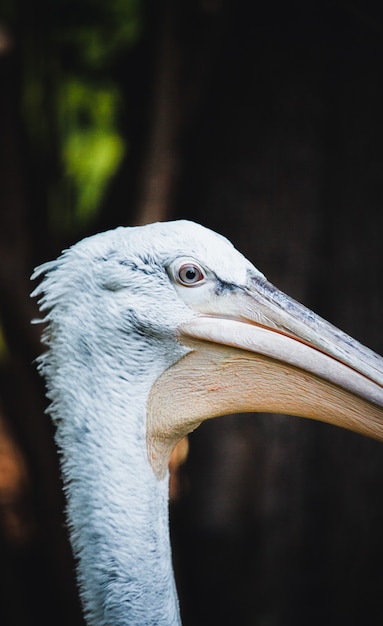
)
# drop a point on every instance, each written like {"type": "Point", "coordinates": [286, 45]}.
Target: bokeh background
{"type": "Point", "coordinates": [262, 120]}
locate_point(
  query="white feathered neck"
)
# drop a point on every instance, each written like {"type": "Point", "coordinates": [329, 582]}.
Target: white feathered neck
{"type": "Point", "coordinates": [100, 365]}
{"type": "Point", "coordinates": [112, 314]}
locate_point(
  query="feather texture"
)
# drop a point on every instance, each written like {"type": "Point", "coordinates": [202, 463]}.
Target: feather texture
{"type": "Point", "coordinates": [111, 315]}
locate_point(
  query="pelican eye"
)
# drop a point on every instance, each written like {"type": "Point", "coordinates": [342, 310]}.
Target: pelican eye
{"type": "Point", "coordinates": [190, 274]}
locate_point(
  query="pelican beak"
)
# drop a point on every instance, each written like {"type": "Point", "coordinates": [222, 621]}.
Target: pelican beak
{"type": "Point", "coordinates": [256, 350]}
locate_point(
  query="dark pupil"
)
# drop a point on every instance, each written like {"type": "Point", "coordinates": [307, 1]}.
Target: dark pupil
{"type": "Point", "coordinates": [190, 274]}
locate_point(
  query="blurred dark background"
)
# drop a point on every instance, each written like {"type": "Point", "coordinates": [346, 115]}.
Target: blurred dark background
{"type": "Point", "coordinates": [264, 122]}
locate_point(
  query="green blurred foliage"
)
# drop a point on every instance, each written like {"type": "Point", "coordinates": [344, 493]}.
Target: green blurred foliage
{"type": "Point", "coordinates": [91, 147]}
{"type": "Point", "coordinates": [101, 29]}
{"type": "Point", "coordinates": [72, 103]}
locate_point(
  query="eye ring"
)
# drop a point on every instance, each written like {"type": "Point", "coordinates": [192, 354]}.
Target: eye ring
{"type": "Point", "coordinates": [190, 274]}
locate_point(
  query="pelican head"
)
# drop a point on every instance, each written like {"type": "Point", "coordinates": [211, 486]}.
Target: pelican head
{"type": "Point", "coordinates": [150, 331]}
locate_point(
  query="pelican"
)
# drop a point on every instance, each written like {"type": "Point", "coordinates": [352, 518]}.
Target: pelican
{"type": "Point", "coordinates": [151, 330]}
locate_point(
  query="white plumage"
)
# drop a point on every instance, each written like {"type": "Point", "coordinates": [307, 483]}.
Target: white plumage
{"type": "Point", "coordinates": [116, 307]}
